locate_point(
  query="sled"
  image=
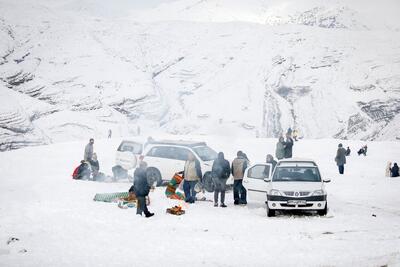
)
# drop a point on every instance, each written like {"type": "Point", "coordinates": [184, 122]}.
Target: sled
{"type": "Point", "coordinates": [110, 197]}
{"type": "Point", "coordinates": [176, 210]}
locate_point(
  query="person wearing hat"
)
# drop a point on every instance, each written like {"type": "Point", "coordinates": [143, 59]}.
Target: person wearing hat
{"type": "Point", "coordinates": [340, 158]}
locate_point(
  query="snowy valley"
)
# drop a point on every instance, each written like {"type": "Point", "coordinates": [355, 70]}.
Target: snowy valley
{"type": "Point", "coordinates": [70, 70]}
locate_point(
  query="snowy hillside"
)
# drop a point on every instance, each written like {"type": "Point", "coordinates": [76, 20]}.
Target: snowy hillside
{"type": "Point", "coordinates": [74, 69]}
{"type": "Point", "coordinates": [57, 223]}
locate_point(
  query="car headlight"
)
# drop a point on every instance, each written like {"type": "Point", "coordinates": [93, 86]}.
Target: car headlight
{"type": "Point", "coordinates": [275, 192]}
{"type": "Point", "coordinates": [318, 193]}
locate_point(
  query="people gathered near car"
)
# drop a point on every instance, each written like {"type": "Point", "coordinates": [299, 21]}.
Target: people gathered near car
{"type": "Point", "coordinates": [239, 165]}
{"type": "Point", "coordinates": [142, 189]}
{"type": "Point", "coordinates": [192, 175]}
{"type": "Point", "coordinates": [220, 173]}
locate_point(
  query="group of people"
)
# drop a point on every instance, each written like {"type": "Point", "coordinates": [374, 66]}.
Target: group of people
{"type": "Point", "coordinates": [392, 171]}
{"type": "Point", "coordinates": [89, 168]}
{"type": "Point", "coordinates": [342, 153]}
{"type": "Point", "coordinates": [284, 147]}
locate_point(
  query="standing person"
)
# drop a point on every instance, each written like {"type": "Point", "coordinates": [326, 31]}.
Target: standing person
{"type": "Point", "coordinates": [365, 150]}
{"type": "Point", "coordinates": [348, 151]}
{"type": "Point", "coordinates": [142, 190]}
{"type": "Point", "coordinates": [295, 135]}
{"type": "Point", "coordinates": [388, 168]}
{"type": "Point", "coordinates": [270, 159]}
{"type": "Point", "coordinates": [239, 165]}
{"type": "Point", "coordinates": [288, 146]}
{"type": "Point", "coordinates": [109, 133]}
{"type": "Point", "coordinates": [220, 173]}
{"type": "Point", "coordinates": [340, 158]}
{"type": "Point", "coordinates": [289, 132]}
{"type": "Point", "coordinates": [88, 154]}
{"type": "Point", "coordinates": [280, 148]}
{"type": "Point", "coordinates": [191, 175]}
{"type": "Point", "coordinates": [394, 171]}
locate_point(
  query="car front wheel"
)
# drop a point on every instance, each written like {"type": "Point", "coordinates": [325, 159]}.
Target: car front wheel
{"type": "Point", "coordinates": [270, 212]}
{"type": "Point", "coordinates": [324, 211]}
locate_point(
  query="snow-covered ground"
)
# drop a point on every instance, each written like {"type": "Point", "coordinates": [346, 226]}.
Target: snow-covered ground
{"type": "Point", "coordinates": [58, 224]}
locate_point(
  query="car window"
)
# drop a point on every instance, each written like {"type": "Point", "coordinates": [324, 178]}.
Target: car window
{"type": "Point", "coordinates": [205, 153]}
{"type": "Point", "coordinates": [296, 174]}
{"type": "Point", "coordinates": [181, 153]}
{"type": "Point", "coordinates": [259, 171]}
{"type": "Point", "coordinates": [135, 148]}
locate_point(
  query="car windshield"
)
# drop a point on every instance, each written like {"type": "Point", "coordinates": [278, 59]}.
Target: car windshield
{"type": "Point", "coordinates": [296, 174]}
{"type": "Point", "coordinates": [205, 153]}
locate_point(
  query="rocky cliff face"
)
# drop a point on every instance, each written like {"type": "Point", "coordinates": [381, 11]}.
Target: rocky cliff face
{"type": "Point", "coordinates": [68, 71]}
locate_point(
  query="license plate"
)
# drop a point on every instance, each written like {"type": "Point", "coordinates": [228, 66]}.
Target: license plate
{"type": "Point", "coordinates": [297, 202]}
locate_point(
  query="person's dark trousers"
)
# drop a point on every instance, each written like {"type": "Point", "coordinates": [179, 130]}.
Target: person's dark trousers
{"type": "Point", "coordinates": [188, 188]}
{"type": "Point", "coordinates": [220, 187]}
{"type": "Point", "coordinates": [239, 192]}
{"type": "Point", "coordinates": [341, 169]}
{"type": "Point", "coordinates": [142, 206]}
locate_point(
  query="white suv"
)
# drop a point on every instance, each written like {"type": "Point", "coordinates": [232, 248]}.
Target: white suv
{"type": "Point", "coordinates": [127, 156]}
{"type": "Point", "coordinates": [165, 158]}
{"type": "Point", "coordinates": [295, 184]}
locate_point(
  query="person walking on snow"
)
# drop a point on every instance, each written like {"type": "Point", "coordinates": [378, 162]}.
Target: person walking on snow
{"type": "Point", "coordinates": [348, 151]}
{"type": "Point", "coordinates": [142, 190]}
{"type": "Point", "coordinates": [109, 133]}
{"type": "Point", "coordinates": [239, 165]}
{"type": "Point", "coordinates": [280, 149]}
{"type": "Point", "coordinates": [192, 175]}
{"type": "Point", "coordinates": [220, 173]}
{"type": "Point", "coordinates": [88, 154]}
{"type": "Point", "coordinates": [340, 158]}
{"type": "Point", "coordinates": [288, 147]}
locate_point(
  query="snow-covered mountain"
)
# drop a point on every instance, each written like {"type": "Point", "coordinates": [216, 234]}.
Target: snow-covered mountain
{"type": "Point", "coordinates": [73, 69]}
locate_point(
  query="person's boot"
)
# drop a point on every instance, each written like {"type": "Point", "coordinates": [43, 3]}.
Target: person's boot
{"type": "Point", "coordinates": [223, 205]}
{"type": "Point", "coordinates": [148, 215]}
{"type": "Point", "coordinates": [215, 204]}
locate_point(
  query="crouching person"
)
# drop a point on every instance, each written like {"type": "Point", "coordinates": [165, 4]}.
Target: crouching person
{"type": "Point", "coordinates": [192, 175]}
{"type": "Point", "coordinates": [142, 189]}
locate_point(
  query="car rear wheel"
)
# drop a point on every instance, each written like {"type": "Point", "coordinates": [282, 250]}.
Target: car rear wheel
{"type": "Point", "coordinates": [324, 211]}
{"type": "Point", "coordinates": [270, 212]}
{"type": "Point", "coordinates": [208, 182]}
{"type": "Point", "coordinates": [154, 176]}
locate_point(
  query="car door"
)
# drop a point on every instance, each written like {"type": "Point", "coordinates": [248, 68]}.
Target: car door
{"type": "Point", "coordinates": [254, 178]}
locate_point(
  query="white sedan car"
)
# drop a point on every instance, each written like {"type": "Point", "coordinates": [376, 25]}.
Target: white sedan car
{"type": "Point", "coordinates": [294, 184]}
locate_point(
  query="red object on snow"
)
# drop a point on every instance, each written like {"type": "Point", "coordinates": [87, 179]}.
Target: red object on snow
{"type": "Point", "coordinates": [75, 173]}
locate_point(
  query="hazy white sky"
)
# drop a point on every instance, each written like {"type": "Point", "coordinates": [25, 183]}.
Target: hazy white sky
{"type": "Point", "coordinates": [145, 3]}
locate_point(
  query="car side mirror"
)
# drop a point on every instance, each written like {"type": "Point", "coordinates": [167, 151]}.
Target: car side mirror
{"type": "Point", "coordinates": [267, 180]}
{"type": "Point", "coordinates": [327, 180]}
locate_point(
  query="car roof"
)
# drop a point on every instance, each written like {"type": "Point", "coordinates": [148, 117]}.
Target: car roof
{"type": "Point", "coordinates": [178, 143]}
{"type": "Point", "coordinates": [296, 162]}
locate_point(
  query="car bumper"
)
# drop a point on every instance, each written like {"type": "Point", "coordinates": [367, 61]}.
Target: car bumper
{"type": "Point", "coordinates": [293, 203]}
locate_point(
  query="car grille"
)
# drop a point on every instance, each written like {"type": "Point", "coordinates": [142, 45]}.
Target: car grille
{"type": "Point", "coordinates": [297, 194]}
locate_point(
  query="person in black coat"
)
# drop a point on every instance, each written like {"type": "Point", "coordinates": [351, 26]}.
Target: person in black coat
{"type": "Point", "coordinates": [220, 172]}
{"type": "Point", "coordinates": [394, 171]}
{"type": "Point", "coordinates": [288, 146]}
{"type": "Point", "coordinates": [142, 189]}
{"type": "Point", "coordinates": [348, 151]}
